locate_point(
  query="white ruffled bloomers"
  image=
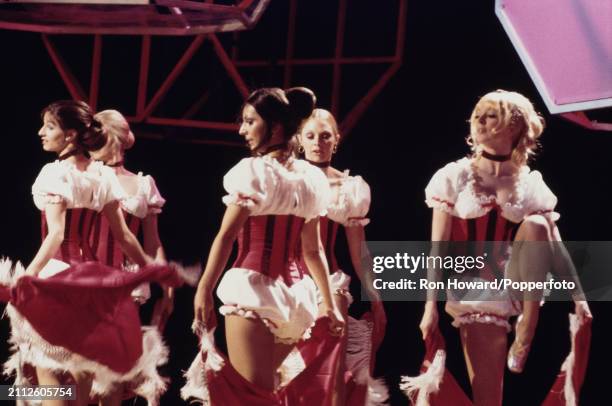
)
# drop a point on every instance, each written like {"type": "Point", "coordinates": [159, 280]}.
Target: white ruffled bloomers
{"type": "Point", "coordinates": [28, 347]}
{"type": "Point", "coordinates": [288, 311]}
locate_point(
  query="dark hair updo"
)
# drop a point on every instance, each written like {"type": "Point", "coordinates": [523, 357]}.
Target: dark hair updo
{"type": "Point", "coordinates": [289, 108]}
{"type": "Point", "coordinates": [78, 116]}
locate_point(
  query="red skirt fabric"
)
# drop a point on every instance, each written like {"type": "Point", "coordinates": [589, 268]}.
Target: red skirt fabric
{"type": "Point", "coordinates": [440, 388]}
{"type": "Point", "coordinates": [212, 378]}
{"type": "Point", "coordinates": [566, 389]}
{"type": "Point", "coordinates": [360, 387]}
{"type": "Point", "coordinates": [363, 341]}
{"type": "Point", "coordinates": [88, 310]}
{"type": "Point", "coordinates": [436, 386]}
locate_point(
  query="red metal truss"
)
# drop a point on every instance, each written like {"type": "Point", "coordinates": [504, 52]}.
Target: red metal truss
{"type": "Point", "coordinates": [234, 67]}
{"type": "Point", "coordinates": [129, 17]}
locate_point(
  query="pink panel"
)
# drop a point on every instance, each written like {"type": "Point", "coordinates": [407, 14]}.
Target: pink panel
{"type": "Point", "coordinates": [569, 43]}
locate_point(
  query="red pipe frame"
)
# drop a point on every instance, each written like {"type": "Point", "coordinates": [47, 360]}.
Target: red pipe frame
{"type": "Point", "coordinates": [145, 110]}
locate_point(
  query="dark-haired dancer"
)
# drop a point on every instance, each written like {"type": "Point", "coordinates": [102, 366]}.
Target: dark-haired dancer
{"type": "Point", "coordinates": [72, 317]}
{"type": "Point", "coordinates": [269, 303]}
{"type": "Point", "coordinates": [494, 196]}
{"type": "Point", "coordinates": [318, 141]}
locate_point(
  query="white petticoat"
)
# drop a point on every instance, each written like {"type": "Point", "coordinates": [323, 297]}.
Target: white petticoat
{"type": "Point", "coordinates": [288, 311]}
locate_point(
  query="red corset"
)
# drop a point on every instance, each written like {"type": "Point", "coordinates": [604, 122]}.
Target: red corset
{"type": "Point", "coordinates": [75, 247]}
{"type": "Point", "coordinates": [103, 243]}
{"type": "Point", "coordinates": [483, 230]}
{"type": "Point", "coordinates": [329, 231]}
{"type": "Point", "coordinates": [268, 245]}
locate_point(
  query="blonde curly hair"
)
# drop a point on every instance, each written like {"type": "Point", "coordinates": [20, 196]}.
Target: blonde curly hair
{"type": "Point", "coordinates": [512, 108]}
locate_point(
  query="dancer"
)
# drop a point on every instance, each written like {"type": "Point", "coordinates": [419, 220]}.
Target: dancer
{"type": "Point", "coordinates": [494, 196]}
{"type": "Point", "coordinates": [70, 315]}
{"type": "Point", "coordinates": [140, 203]}
{"type": "Point", "coordinates": [318, 141]}
{"type": "Point", "coordinates": [269, 303]}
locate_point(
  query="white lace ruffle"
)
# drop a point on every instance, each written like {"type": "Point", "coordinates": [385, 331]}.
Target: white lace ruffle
{"type": "Point", "coordinates": [358, 361]}
{"type": "Point", "coordinates": [453, 190]}
{"type": "Point", "coordinates": [481, 318]}
{"type": "Point", "coordinates": [239, 200]}
{"type": "Point", "coordinates": [354, 222]}
{"type": "Point", "coordinates": [420, 388]}
{"type": "Point", "coordinates": [207, 360]}
{"type": "Point", "coordinates": [483, 311]}
{"type": "Point", "coordinates": [443, 205]}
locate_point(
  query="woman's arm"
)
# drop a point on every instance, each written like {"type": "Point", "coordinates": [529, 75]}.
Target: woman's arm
{"type": "Point", "coordinates": [440, 231]}
{"type": "Point", "coordinates": [153, 247]}
{"type": "Point", "coordinates": [152, 244]}
{"type": "Point", "coordinates": [233, 220]}
{"type": "Point", "coordinates": [122, 234]}
{"type": "Point", "coordinates": [314, 256]}
{"type": "Point", "coordinates": [360, 256]}
{"type": "Point", "coordinates": [565, 269]}
{"type": "Point", "coordinates": [55, 214]}
{"type": "Point", "coordinates": [355, 236]}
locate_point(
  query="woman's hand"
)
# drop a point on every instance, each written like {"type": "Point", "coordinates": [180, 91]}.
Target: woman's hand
{"type": "Point", "coordinates": [163, 309]}
{"type": "Point", "coordinates": [429, 322]}
{"type": "Point", "coordinates": [582, 310]}
{"type": "Point", "coordinates": [30, 271]}
{"type": "Point", "coordinates": [337, 323]}
{"type": "Point", "coordinates": [204, 307]}
{"type": "Point", "coordinates": [149, 260]}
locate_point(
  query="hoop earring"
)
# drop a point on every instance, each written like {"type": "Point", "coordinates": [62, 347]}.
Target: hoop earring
{"type": "Point", "coordinates": [300, 149]}
{"type": "Point", "coordinates": [335, 149]}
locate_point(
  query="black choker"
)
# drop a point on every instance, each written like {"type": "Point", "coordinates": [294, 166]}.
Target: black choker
{"type": "Point", "coordinates": [325, 164]}
{"type": "Point", "coordinates": [116, 164]}
{"type": "Point", "coordinates": [68, 154]}
{"type": "Point", "coordinates": [496, 158]}
{"type": "Point", "coordinates": [271, 148]}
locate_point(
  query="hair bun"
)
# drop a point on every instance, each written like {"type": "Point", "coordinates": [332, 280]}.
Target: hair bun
{"type": "Point", "coordinates": [302, 102]}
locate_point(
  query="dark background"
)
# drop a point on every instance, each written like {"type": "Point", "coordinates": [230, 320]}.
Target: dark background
{"type": "Point", "coordinates": [454, 53]}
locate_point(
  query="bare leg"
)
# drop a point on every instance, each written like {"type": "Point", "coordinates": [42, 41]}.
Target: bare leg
{"type": "Point", "coordinates": [114, 398]}
{"type": "Point", "coordinates": [484, 347]}
{"type": "Point", "coordinates": [280, 353]}
{"type": "Point", "coordinates": [531, 260]}
{"type": "Point", "coordinates": [83, 387]}
{"type": "Point", "coordinates": [249, 345]}
{"type": "Point", "coordinates": [46, 377]}
{"type": "Point", "coordinates": [82, 382]}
